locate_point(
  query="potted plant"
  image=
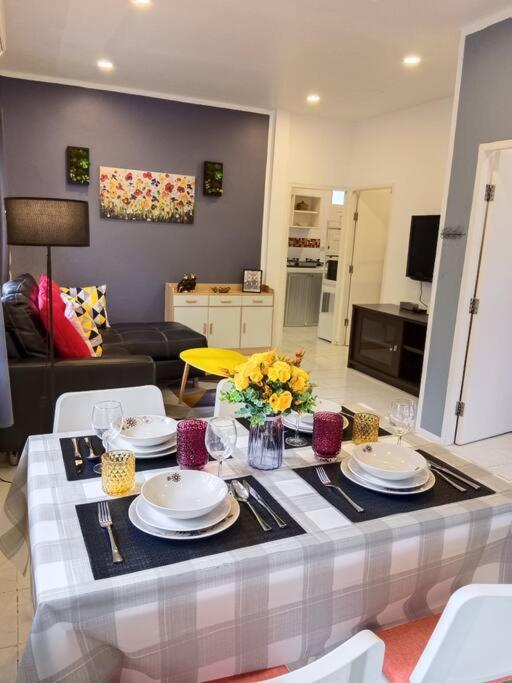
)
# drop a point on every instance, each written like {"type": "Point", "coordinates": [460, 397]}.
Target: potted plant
{"type": "Point", "coordinates": [267, 386]}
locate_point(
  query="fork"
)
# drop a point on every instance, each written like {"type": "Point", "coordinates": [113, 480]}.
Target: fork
{"type": "Point", "coordinates": [322, 475]}
{"type": "Point", "coordinates": [92, 455]}
{"type": "Point", "coordinates": [105, 522]}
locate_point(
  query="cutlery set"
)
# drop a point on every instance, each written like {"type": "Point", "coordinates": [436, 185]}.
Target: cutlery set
{"type": "Point", "coordinates": [242, 491]}
{"type": "Point", "coordinates": [79, 458]}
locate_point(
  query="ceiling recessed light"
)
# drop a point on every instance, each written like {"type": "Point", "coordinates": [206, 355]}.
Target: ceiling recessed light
{"type": "Point", "coordinates": [104, 64]}
{"type": "Point", "coordinates": [313, 99]}
{"type": "Point", "coordinates": [141, 3]}
{"type": "Point", "coordinates": [411, 60]}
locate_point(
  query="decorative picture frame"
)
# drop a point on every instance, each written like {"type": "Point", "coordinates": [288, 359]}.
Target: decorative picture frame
{"type": "Point", "coordinates": [252, 280]}
{"type": "Point", "coordinates": [78, 165]}
{"type": "Point", "coordinates": [213, 178]}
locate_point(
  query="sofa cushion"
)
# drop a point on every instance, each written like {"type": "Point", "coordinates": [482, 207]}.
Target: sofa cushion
{"type": "Point", "coordinates": [94, 300]}
{"type": "Point", "coordinates": [161, 341]}
{"type": "Point", "coordinates": [25, 330]}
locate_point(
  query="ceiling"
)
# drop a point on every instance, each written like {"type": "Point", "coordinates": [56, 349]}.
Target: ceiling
{"type": "Point", "coordinates": [263, 54]}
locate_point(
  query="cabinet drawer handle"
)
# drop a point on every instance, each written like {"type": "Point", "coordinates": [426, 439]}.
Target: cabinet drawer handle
{"type": "Point", "coordinates": [211, 328]}
{"type": "Point", "coordinates": [257, 301]}
{"type": "Point", "coordinates": [191, 301]}
{"type": "Point", "coordinates": [205, 330]}
{"type": "Point", "coordinates": [225, 301]}
{"type": "Point", "coordinates": [244, 327]}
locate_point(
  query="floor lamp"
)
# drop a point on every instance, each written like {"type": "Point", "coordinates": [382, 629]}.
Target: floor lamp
{"type": "Point", "coordinates": [40, 222]}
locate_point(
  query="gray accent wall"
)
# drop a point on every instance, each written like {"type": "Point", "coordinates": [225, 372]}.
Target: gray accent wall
{"type": "Point", "coordinates": [484, 115]}
{"type": "Point", "coordinates": [135, 258]}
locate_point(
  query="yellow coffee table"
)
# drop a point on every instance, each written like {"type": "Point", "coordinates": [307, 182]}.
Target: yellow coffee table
{"type": "Point", "coordinates": [219, 362]}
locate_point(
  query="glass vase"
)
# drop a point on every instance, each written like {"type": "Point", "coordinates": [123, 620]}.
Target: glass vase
{"type": "Point", "coordinates": [266, 444]}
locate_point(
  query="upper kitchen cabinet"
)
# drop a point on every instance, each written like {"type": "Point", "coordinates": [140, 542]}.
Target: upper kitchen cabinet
{"type": "Point", "coordinates": [305, 211]}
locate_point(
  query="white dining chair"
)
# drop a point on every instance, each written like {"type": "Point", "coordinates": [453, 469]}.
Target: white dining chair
{"type": "Point", "coordinates": [222, 408]}
{"type": "Point", "coordinates": [73, 410]}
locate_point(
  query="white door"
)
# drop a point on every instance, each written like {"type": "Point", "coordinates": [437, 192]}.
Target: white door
{"type": "Point", "coordinates": [224, 327]}
{"type": "Point", "coordinates": [487, 384]}
{"type": "Point", "coordinates": [195, 318]}
{"type": "Point", "coordinates": [256, 327]}
{"type": "Point", "coordinates": [368, 249]}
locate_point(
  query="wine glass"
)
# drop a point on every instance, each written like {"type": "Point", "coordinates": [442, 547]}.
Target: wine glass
{"type": "Point", "coordinates": [296, 440]}
{"type": "Point", "coordinates": [402, 415]}
{"type": "Point", "coordinates": [107, 422]}
{"type": "Point", "coordinates": [220, 439]}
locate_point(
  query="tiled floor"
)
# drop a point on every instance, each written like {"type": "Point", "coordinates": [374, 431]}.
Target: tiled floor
{"type": "Point", "coordinates": [328, 367]}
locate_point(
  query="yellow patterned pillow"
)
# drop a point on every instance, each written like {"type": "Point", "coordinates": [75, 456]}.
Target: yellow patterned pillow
{"type": "Point", "coordinates": [87, 324]}
{"type": "Point", "coordinates": [94, 301]}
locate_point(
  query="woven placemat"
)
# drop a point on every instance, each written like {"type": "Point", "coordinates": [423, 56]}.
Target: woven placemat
{"type": "Point", "coordinates": [142, 551]}
{"type": "Point", "coordinates": [68, 455]}
{"type": "Point", "coordinates": [378, 505]}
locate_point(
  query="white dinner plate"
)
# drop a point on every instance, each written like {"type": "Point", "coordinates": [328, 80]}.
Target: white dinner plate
{"type": "Point", "coordinates": [154, 518]}
{"type": "Point", "coordinates": [306, 428]}
{"type": "Point", "coordinates": [148, 430]}
{"type": "Point", "coordinates": [384, 489]}
{"type": "Point", "coordinates": [218, 528]}
{"type": "Point", "coordinates": [119, 442]}
{"type": "Point", "coordinates": [389, 461]}
{"type": "Point", "coordinates": [158, 454]}
{"type": "Point", "coordinates": [322, 404]}
{"type": "Point", "coordinates": [418, 480]}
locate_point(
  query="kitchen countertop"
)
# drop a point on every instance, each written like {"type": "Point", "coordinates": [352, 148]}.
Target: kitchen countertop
{"type": "Point", "coordinates": [298, 269]}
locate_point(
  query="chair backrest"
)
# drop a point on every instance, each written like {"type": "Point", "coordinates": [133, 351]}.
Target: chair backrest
{"type": "Point", "coordinates": [471, 641]}
{"type": "Point", "coordinates": [222, 408]}
{"type": "Point", "coordinates": [73, 410]}
{"type": "Point", "coordinates": [357, 660]}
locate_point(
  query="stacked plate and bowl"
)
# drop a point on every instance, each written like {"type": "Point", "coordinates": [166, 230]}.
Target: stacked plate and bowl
{"type": "Point", "coordinates": [148, 436]}
{"type": "Point", "coordinates": [306, 419]}
{"type": "Point", "coordinates": [184, 504]}
{"type": "Point", "coordinates": [388, 468]}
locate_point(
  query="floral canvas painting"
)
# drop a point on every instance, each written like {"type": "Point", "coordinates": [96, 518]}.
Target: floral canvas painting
{"type": "Point", "coordinates": [146, 195]}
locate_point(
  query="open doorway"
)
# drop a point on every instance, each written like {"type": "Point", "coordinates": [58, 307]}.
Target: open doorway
{"type": "Point", "coordinates": [366, 252]}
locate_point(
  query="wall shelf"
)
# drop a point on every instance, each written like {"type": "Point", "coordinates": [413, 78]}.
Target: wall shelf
{"type": "Point", "coordinates": [303, 211]}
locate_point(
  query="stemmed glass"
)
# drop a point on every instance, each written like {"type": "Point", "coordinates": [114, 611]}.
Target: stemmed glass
{"type": "Point", "coordinates": [107, 422]}
{"type": "Point", "coordinates": [220, 439]}
{"type": "Point", "coordinates": [296, 440]}
{"type": "Point", "coordinates": [402, 415]}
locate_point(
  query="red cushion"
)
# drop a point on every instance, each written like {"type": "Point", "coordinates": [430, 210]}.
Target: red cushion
{"type": "Point", "coordinates": [254, 676]}
{"type": "Point", "coordinates": [67, 341]}
{"type": "Point", "coordinates": [404, 646]}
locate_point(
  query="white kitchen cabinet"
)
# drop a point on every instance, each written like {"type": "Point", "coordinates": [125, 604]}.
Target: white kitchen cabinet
{"type": "Point", "coordinates": [256, 327]}
{"type": "Point", "coordinates": [194, 317]}
{"type": "Point", "coordinates": [224, 327]}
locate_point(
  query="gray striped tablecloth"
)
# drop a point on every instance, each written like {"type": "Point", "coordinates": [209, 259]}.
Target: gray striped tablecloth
{"type": "Point", "coordinates": [280, 602]}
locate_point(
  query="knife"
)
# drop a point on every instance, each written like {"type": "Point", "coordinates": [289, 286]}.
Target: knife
{"type": "Point", "coordinates": [434, 466]}
{"type": "Point", "coordinates": [280, 523]}
{"type": "Point", "coordinates": [79, 460]}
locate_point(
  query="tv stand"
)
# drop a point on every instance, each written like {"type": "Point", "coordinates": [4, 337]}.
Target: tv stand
{"type": "Point", "coordinates": [388, 343]}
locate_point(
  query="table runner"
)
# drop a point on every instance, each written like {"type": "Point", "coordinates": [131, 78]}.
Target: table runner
{"type": "Point", "coordinates": [377, 505]}
{"type": "Point", "coordinates": [142, 551]}
{"type": "Point", "coordinates": [247, 609]}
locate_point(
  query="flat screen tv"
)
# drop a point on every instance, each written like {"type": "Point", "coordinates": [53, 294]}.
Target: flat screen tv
{"type": "Point", "coordinates": [422, 247]}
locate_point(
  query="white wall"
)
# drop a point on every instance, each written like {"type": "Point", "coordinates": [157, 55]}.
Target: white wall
{"type": "Point", "coordinates": [407, 150]}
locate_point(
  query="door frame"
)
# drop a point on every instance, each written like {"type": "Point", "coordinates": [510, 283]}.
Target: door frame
{"type": "Point", "coordinates": [476, 226]}
{"type": "Point", "coordinates": [340, 337]}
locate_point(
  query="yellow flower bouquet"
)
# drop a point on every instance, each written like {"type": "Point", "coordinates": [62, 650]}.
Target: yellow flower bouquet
{"type": "Point", "coordinates": [268, 384]}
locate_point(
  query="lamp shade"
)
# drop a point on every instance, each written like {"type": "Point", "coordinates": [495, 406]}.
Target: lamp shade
{"type": "Point", "coordinates": [39, 222]}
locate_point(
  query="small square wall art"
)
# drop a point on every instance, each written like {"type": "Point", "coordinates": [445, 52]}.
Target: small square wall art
{"type": "Point", "coordinates": [153, 196]}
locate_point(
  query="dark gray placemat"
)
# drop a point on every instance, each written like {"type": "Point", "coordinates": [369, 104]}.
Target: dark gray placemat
{"type": "Point", "coordinates": [68, 455]}
{"type": "Point", "coordinates": [381, 504]}
{"type": "Point", "coordinates": [142, 551]}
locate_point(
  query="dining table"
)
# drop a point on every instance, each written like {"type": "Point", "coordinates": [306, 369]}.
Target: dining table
{"type": "Point", "coordinates": [196, 609]}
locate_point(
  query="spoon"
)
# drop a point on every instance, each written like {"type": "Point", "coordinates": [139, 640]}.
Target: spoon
{"type": "Point", "coordinates": [243, 496]}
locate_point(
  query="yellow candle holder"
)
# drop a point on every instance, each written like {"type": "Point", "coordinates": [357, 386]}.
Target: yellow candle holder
{"type": "Point", "coordinates": [366, 428]}
{"type": "Point", "coordinates": [118, 472]}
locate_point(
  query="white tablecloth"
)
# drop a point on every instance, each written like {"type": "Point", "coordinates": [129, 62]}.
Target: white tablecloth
{"type": "Point", "coordinates": [278, 602]}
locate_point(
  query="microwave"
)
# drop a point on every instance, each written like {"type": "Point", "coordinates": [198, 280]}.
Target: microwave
{"type": "Point", "coordinates": [331, 268]}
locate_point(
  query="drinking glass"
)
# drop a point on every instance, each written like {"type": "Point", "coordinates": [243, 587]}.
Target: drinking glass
{"type": "Point", "coordinates": [366, 428]}
{"type": "Point", "coordinates": [118, 472]}
{"type": "Point", "coordinates": [220, 439]}
{"type": "Point", "coordinates": [107, 422]}
{"type": "Point", "coordinates": [402, 415]}
{"type": "Point", "coordinates": [191, 453]}
{"type": "Point", "coordinates": [327, 434]}
{"type": "Point", "coordinates": [296, 440]}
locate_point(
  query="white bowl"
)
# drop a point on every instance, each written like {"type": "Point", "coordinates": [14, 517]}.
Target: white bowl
{"type": "Point", "coordinates": [389, 461]}
{"type": "Point", "coordinates": [184, 494]}
{"type": "Point", "coordinates": [147, 430]}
